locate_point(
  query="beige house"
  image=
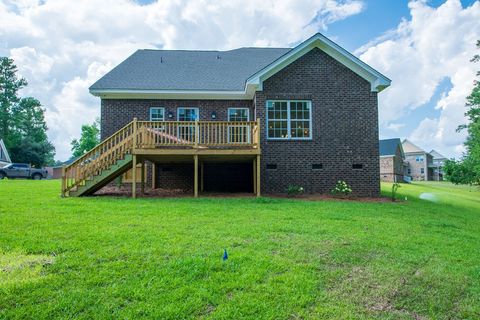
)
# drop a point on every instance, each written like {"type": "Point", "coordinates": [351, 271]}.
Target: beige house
{"type": "Point", "coordinates": [391, 160]}
{"type": "Point", "coordinates": [420, 165]}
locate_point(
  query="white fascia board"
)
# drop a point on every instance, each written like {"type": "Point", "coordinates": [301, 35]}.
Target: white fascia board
{"type": "Point", "coordinates": [377, 81]}
{"type": "Point", "coordinates": [172, 94]}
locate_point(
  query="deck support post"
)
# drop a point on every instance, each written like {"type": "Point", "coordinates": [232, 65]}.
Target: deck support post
{"type": "Point", "coordinates": [134, 176]}
{"type": "Point", "coordinates": [143, 177]}
{"type": "Point", "coordinates": [258, 175]}
{"type": "Point", "coordinates": [64, 181]}
{"type": "Point", "coordinates": [201, 176]}
{"type": "Point", "coordinates": [195, 176]}
{"type": "Point", "coordinates": [154, 167]}
{"type": "Point", "coordinates": [254, 175]}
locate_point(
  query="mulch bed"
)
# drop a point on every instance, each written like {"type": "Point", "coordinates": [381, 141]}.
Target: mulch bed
{"type": "Point", "coordinates": [114, 191]}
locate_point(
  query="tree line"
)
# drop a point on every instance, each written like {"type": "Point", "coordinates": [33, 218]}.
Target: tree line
{"type": "Point", "coordinates": [22, 120]}
{"type": "Point", "coordinates": [467, 169]}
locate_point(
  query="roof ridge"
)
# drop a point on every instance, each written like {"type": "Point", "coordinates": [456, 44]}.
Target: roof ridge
{"type": "Point", "coordinates": [193, 50]}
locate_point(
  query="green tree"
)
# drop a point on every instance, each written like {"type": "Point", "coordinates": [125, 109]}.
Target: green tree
{"type": "Point", "coordinates": [10, 84]}
{"type": "Point", "coordinates": [467, 171]}
{"type": "Point", "coordinates": [22, 120]}
{"type": "Point", "coordinates": [89, 138]}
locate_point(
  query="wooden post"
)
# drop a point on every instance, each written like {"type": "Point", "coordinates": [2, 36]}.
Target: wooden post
{"type": "Point", "coordinates": [258, 134]}
{"type": "Point", "coordinates": [143, 177]}
{"type": "Point", "coordinates": [197, 133]}
{"type": "Point", "coordinates": [134, 176]}
{"type": "Point", "coordinates": [154, 167]}
{"type": "Point", "coordinates": [201, 176]}
{"type": "Point", "coordinates": [254, 176]}
{"type": "Point", "coordinates": [258, 174]}
{"type": "Point", "coordinates": [195, 176]}
{"type": "Point", "coordinates": [64, 181]}
{"type": "Point", "coordinates": [134, 134]}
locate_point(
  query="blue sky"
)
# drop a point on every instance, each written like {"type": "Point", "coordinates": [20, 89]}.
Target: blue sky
{"type": "Point", "coordinates": [62, 47]}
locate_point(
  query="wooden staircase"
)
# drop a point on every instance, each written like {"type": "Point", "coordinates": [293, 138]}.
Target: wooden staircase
{"type": "Point", "coordinates": [118, 153]}
{"type": "Point", "coordinates": [101, 165]}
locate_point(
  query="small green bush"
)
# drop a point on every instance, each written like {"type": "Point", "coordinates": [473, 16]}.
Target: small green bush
{"type": "Point", "coordinates": [341, 189]}
{"type": "Point", "coordinates": [395, 187]}
{"type": "Point", "coordinates": [294, 190]}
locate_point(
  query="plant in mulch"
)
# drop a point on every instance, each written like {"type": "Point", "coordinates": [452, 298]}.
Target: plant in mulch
{"type": "Point", "coordinates": [293, 190]}
{"type": "Point", "coordinates": [341, 189]}
{"type": "Point", "coordinates": [395, 187]}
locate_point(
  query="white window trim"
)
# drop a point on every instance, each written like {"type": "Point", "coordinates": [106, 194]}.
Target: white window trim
{"type": "Point", "coordinates": [197, 110]}
{"type": "Point", "coordinates": [157, 108]}
{"type": "Point", "coordinates": [289, 131]}
{"type": "Point", "coordinates": [248, 112]}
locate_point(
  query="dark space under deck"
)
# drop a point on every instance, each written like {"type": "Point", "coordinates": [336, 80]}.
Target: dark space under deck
{"type": "Point", "coordinates": [217, 174]}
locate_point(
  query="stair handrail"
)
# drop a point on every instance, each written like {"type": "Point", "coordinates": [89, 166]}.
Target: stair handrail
{"type": "Point", "coordinates": [98, 158]}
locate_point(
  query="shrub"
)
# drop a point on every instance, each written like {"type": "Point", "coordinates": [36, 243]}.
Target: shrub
{"type": "Point", "coordinates": [293, 190]}
{"type": "Point", "coordinates": [395, 187]}
{"type": "Point", "coordinates": [341, 189]}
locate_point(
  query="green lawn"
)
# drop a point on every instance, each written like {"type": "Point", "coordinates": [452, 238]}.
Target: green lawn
{"type": "Point", "coordinates": [162, 258]}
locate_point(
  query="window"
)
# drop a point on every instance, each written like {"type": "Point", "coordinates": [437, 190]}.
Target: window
{"type": "Point", "coordinates": [419, 159]}
{"type": "Point", "coordinates": [422, 170]}
{"type": "Point", "coordinates": [271, 166]}
{"type": "Point", "coordinates": [157, 114]}
{"type": "Point", "coordinates": [409, 171]}
{"type": "Point", "coordinates": [357, 166]}
{"type": "Point", "coordinates": [238, 133]}
{"type": "Point", "coordinates": [317, 166]}
{"type": "Point", "coordinates": [187, 132]}
{"type": "Point", "coordinates": [289, 119]}
{"type": "Point", "coordinates": [238, 114]}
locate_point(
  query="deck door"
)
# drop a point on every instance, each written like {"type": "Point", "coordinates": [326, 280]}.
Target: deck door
{"type": "Point", "coordinates": [187, 132]}
{"type": "Point", "coordinates": [238, 133]}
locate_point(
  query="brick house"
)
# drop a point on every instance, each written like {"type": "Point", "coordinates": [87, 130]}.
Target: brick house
{"type": "Point", "coordinates": [419, 162]}
{"type": "Point", "coordinates": [391, 160]}
{"type": "Point", "coordinates": [250, 119]}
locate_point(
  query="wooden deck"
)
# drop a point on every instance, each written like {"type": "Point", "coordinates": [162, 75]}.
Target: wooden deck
{"type": "Point", "coordinates": [143, 140]}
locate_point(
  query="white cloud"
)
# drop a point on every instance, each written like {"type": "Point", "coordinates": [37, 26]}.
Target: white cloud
{"type": "Point", "coordinates": [62, 46]}
{"type": "Point", "coordinates": [395, 126]}
{"type": "Point", "coordinates": [436, 43]}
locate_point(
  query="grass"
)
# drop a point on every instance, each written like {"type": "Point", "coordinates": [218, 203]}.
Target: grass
{"type": "Point", "coordinates": [162, 258]}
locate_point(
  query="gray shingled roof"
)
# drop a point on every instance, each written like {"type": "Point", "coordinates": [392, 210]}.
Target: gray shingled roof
{"type": "Point", "coordinates": [389, 147]}
{"type": "Point", "coordinates": [188, 70]}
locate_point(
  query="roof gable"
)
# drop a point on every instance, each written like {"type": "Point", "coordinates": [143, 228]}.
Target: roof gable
{"type": "Point", "coordinates": [436, 155]}
{"type": "Point", "coordinates": [409, 147]}
{"type": "Point", "coordinates": [389, 147]}
{"type": "Point", "coordinates": [377, 80]}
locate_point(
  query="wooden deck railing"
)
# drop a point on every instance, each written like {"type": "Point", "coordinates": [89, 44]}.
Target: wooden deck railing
{"type": "Point", "coordinates": [156, 134]}
{"type": "Point", "coordinates": [159, 134]}
{"type": "Point", "coordinates": [98, 159]}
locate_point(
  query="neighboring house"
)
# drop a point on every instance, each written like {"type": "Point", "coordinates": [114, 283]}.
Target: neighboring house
{"type": "Point", "coordinates": [391, 160]}
{"type": "Point", "coordinates": [250, 119]}
{"type": "Point", "coordinates": [4, 156]}
{"type": "Point", "coordinates": [420, 162]}
{"type": "Point", "coordinates": [438, 164]}
{"type": "Point", "coordinates": [55, 172]}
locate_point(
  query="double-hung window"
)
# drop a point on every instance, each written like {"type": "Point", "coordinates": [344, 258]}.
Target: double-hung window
{"type": "Point", "coordinates": [238, 133]}
{"type": "Point", "coordinates": [289, 119]}
{"type": "Point", "coordinates": [187, 131]}
{"type": "Point", "coordinates": [157, 114]}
